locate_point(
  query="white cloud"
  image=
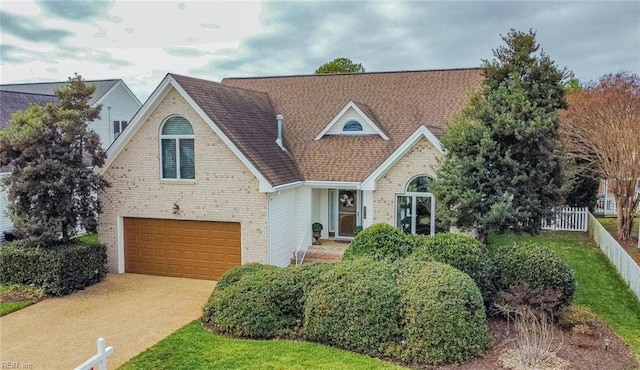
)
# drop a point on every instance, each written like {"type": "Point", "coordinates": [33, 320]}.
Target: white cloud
{"type": "Point", "coordinates": [140, 41]}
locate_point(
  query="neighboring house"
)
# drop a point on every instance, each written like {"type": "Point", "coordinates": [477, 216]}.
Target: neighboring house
{"type": "Point", "coordinates": [212, 175]}
{"type": "Point", "coordinates": [119, 105]}
{"type": "Point", "coordinates": [606, 204]}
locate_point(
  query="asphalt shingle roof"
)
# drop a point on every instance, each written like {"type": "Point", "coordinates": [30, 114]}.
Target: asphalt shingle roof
{"type": "Point", "coordinates": [48, 88]}
{"type": "Point", "coordinates": [398, 102]}
{"type": "Point", "coordinates": [248, 120]}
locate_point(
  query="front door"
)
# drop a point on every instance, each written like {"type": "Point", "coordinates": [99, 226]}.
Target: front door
{"type": "Point", "coordinates": [347, 213]}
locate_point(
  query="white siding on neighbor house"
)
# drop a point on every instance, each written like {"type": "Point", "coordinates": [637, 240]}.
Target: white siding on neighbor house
{"type": "Point", "coordinates": [282, 221]}
{"type": "Point", "coordinates": [117, 105]}
{"type": "Point", "coordinates": [5, 222]}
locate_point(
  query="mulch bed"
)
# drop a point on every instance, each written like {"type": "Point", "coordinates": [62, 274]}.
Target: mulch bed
{"type": "Point", "coordinates": [580, 351]}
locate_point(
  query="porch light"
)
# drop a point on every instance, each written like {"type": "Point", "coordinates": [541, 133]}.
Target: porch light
{"type": "Point", "coordinates": [176, 208]}
{"type": "Point", "coordinates": [403, 343]}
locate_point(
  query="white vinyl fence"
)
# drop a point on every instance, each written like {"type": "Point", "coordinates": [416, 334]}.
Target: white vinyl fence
{"type": "Point", "coordinates": [567, 219]}
{"type": "Point", "coordinates": [626, 266]}
{"type": "Point", "coordinates": [99, 360]}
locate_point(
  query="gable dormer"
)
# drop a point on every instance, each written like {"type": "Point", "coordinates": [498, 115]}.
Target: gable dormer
{"type": "Point", "coordinates": [352, 120]}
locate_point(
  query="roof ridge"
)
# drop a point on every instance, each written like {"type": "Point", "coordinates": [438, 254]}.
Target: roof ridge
{"type": "Point", "coordinates": [58, 82]}
{"type": "Point", "coordinates": [223, 85]}
{"type": "Point", "coordinates": [355, 73]}
{"type": "Point", "coordinates": [25, 93]}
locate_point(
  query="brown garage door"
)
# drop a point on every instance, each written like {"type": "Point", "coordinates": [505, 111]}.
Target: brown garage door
{"type": "Point", "coordinates": [191, 249]}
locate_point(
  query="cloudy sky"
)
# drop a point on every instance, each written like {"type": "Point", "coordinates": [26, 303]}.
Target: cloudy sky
{"type": "Point", "coordinates": [141, 41]}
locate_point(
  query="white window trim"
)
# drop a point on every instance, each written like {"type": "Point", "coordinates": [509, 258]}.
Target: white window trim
{"type": "Point", "coordinates": [177, 140]}
{"type": "Point", "coordinates": [364, 120]}
{"type": "Point", "coordinates": [413, 196]}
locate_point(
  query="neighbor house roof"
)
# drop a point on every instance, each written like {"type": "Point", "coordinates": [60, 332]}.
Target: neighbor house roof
{"type": "Point", "coordinates": [399, 102]}
{"type": "Point", "coordinates": [248, 120]}
{"type": "Point", "coordinates": [11, 102]}
{"type": "Point", "coordinates": [48, 88]}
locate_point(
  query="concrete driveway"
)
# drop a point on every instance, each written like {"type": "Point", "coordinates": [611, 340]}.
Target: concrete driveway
{"type": "Point", "coordinates": [132, 312]}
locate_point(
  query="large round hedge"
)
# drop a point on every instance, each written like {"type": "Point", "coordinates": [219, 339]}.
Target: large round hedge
{"type": "Point", "coordinates": [356, 306]}
{"type": "Point", "coordinates": [464, 253]}
{"type": "Point", "coordinates": [443, 313]}
{"type": "Point", "coordinates": [538, 268]}
{"type": "Point", "coordinates": [380, 241]}
{"type": "Point", "coordinates": [235, 274]}
{"type": "Point", "coordinates": [261, 301]}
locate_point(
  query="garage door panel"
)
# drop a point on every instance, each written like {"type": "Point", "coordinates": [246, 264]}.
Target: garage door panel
{"type": "Point", "coordinates": [192, 249]}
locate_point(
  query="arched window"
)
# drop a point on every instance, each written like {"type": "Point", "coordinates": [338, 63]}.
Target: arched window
{"type": "Point", "coordinates": [416, 208]}
{"type": "Point", "coordinates": [177, 148]}
{"type": "Point", "coordinates": [352, 126]}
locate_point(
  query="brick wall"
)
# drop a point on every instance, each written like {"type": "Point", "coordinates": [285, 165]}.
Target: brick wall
{"type": "Point", "coordinates": [224, 189]}
{"type": "Point", "coordinates": [419, 160]}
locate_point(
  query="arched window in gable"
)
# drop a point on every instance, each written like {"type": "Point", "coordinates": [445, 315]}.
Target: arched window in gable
{"type": "Point", "coordinates": [177, 149]}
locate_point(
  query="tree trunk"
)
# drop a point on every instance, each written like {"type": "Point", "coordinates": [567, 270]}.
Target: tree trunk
{"type": "Point", "coordinates": [626, 212]}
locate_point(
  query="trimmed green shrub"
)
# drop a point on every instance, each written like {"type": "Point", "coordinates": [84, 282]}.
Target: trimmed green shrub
{"type": "Point", "coordinates": [261, 301]}
{"type": "Point", "coordinates": [576, 315]}
{"type": "Point", "coordinates": [235, 274]}
{"type": "Point", "coordinates": [533, 275]}
{"type": "Point", "coordinates": [380, 241]}
{"type": "Point", "coordinates": [464, 253]}
{"type": "Point", "coordinates": [444, 315]}
{"type": "Point", "coordinates": [356, 306]}
{"type": "Point", "coordinates": [59, 270]}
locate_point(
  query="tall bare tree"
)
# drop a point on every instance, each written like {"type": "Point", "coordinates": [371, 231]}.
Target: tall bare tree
{"type": "Point", "coordinates": [602, 126]}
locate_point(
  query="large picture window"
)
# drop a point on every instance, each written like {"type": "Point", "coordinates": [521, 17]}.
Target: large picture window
{"type": "Point", "coordinates": [416, 207]}
{"type": "Point", "coordinates": [177, 149]}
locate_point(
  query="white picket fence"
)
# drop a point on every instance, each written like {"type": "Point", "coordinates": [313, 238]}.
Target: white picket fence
{"type": "Point", "coordinates": [99, 360]}
{"type": "Point", "coordinates": [567, 219]}
{"type": "Point", "coordinates": [626, 266]}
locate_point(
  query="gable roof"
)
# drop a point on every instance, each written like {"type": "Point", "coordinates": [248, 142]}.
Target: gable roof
{"type": "Point", "coordinates": [363, 113]}
{"type": "Point", "coordinates": [401, 103]}
{"type": "Point", "coordinates": [248, 120]}
{"type": "Point", "coordinates": [48, 88]}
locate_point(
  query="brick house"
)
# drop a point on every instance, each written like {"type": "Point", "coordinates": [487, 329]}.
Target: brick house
{"type": "Point", "coordinates": [212, 175]}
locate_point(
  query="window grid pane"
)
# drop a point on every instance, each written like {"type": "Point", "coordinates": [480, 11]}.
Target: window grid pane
{"type": "Point", "coordinates": [169, 163]}
{"type": "Point", "coordinates": [187, 159]}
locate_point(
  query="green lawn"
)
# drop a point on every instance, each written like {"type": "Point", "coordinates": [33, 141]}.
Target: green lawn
{"type": "Point", "coordinates": [27, 296]}
{"type": "Point", "coordinates": [191, 347]}
{"type": "Point", "coordinates": [89, 238]}
{"type": "Point", "coordinates": [599, 285]}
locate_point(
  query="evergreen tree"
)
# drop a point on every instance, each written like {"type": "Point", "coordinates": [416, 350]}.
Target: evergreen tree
{"type": "Point", "coordinates": [502, 168]}
{"type": "Point", "coordinates": [52, 189]}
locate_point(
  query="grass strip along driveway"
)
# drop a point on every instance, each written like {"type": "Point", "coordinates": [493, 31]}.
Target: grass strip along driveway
{"type": "Point", "coordinates": [600, 287]}
{"type": "Point", "coordinates": [191, 347]}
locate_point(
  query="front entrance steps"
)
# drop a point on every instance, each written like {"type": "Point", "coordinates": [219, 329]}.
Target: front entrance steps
{"type": "Point", "coordinates": [330, 251]}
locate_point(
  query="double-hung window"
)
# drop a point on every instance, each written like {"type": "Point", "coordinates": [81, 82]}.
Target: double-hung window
{"type": "Point", "coordinates": [118, 127]}
{"type": "Point", "coordinates": [177, 150]}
